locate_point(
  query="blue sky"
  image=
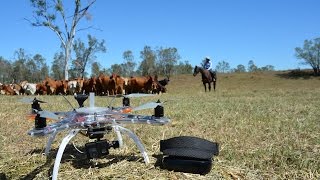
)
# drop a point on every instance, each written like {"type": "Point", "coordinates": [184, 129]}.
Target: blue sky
{"type": "Point", "coordinates": [265, 31]}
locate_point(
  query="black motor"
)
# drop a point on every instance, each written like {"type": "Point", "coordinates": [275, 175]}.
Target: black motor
{"type": "Point", "coordinates": [39, 122]}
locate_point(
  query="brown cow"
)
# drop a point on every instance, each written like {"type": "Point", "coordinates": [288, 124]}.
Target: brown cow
{"type": "Point", "coordinates": [89, 85]}
{"type": "Point", "coordinates": [159, 87]}
{"type": "Point", "coordinates": [79, 84]}
{"type": "Point", "coordinates": [140, 85]}
{"type": "Point", "coordinates": [105, 83]}
{"type": "Point", "coordinates": [17, 89]}
{"type": "Point", "coordinates": [41, 89]}
{"type": "Point", "coordinates": [51, 86]}
{"type": "Point", "coordinates": [56, 86]}
{"type": "Point", "coordinates": [117, 84]}
{"type": "Point", "coordinates": [62, 86]}
{"type": "Point", "coordinates": [7, 90]}
{"type": "Point", "coordinates": [98, 87]}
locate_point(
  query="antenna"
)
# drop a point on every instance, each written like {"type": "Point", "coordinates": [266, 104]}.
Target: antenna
{"type": "Point", "coordinates": [67, 101]}
{"type": "Point", "coordinates": [114, 97]}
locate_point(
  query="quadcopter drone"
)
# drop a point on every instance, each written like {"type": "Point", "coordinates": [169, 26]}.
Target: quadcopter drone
{"type": "Point", "coordinates": [94, 122]}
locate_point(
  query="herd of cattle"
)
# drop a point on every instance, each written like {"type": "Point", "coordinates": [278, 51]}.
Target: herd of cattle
{"type": "Point", "coordinates": [101, 85]}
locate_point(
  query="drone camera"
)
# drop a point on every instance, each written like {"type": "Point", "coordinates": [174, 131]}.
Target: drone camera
{"type": "Point", "coordinates": [97, 149]}
{"type": "Point", "coordinates": [100, 148]}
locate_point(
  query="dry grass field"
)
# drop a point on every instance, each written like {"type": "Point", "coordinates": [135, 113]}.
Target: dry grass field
{"type": "Point", "coordinates": [267, 125]}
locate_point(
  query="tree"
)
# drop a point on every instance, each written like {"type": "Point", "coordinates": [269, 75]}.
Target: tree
{"type": "Point", "coordinates": [19, 69]}
{"type": "Point", "coordinates": [252, 67]}
{"type": "Point", "coordinates": [310, 54]}
{"type": "Point", "coordinates": [42, 70]}
{"type": "Point", "coordinates": [240, 68]}
{"type": "Point", "coordinates": [57, 69]}
{"type": "Point", "coordinates": [129, 64]}
{"type": "Point", "coordinates": [147, 65]}
{"type": "Point", "coordinates": [167, 59]}
{"type": "Point", "coordinates": [30, 70]}
{"type": "Point", "coordinates": [223, 67]}
{"type": "Point", "coordinates": [95, 69]}
{"type": "Point", "coordinates": [117, 69]}
{"type": "Point", "coordinates": [5, 70]}
{"type": "Point", "coordinates": [267, 68]}
{"type": "Point", "coordinates": [45, 16]}
{"type": "Point", "coordinates": [84, 55]}
{"type": "Point", "coordinates": [183, 68]}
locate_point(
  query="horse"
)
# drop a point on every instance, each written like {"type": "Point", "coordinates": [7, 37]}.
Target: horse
{"type": "Point", "coordinates": [206, 77]}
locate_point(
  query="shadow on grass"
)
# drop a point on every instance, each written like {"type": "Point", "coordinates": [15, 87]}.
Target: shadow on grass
{"type": "Point", "coordinates": [77, 159]}
{"type": "Point", "coordinates": [39, 169]}
{"type": "Point", "coordinates": [3, 176]}
{"type": "Point", "coordinates": [296, 74]}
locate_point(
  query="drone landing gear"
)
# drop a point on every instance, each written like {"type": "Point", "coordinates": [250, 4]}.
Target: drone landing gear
{"type": "Point", "coordinates": [49, 143]}
{"type": "Point", "coordinates": [74, 132]}
{"type": "Point", "coordinates": [63, 145]}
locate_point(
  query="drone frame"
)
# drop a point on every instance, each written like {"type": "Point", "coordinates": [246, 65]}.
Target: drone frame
{"type": "Point", "coordinates": [116, 126]}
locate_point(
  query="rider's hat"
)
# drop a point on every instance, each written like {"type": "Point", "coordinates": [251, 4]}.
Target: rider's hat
{"type": "Point", "coordinates": [207, 58]}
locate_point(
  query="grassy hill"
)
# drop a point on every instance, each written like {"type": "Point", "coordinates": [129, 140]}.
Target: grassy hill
{"type": "Point", "coordinates": [267, 125]}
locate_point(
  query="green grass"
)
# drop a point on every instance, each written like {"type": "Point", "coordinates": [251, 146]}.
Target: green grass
{"type": "Point", "coordinates": [268, 127]}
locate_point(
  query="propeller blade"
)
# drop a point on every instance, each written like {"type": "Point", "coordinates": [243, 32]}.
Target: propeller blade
{"type": "Point", "coordinates": [40, 101]}
{"type": "Point", "coordinates": [26, 100]}
{"type": "Point", "coordinates": [137, 95]}
{"type": "Point", "coordinates": [133, 95]}
{"type": "Point", "coordinates": [29, 100]}
{"type": "Point", "coordinates": [149, 105]}
{"type": "Point", "coordinates": [48, 114]}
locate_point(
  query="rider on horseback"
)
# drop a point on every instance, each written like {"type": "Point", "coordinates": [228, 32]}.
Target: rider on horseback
{"type": "Point", "coordinates": [208, 66]}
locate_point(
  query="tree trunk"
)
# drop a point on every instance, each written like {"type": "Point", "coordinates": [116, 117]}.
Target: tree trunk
{"type": "Point", "coordinates": [316, 71]}
{"type": "Point", "coordinates": [67, 57]}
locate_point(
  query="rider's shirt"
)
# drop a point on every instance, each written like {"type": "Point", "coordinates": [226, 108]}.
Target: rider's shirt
{"type": "Point", "coordinates": [207, 66]}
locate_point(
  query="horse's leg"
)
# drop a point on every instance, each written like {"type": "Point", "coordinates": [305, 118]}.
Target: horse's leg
{"type": "Point", "coordinates": [205, 87]}
{"type": "Point", "coordinates": [209, 86]}
{"type": "Point", "coordinates": [214, 85]}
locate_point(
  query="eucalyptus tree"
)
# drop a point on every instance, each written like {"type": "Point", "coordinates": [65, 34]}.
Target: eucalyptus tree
{"type": "Point", "coordinates": [65, 26]}
{"type": "Point", "coordinates": [267, 68]}
{"type": "Point", "coordinates": [240, 68]}
{"type": "Point", "coordinates": [86, 55]}
{"type": "Point", "coordinates": [57, 69]}
{"type": "Point", "coordinates": [117, 69]}
{"type": "Point", "coordinates": [148, 63]}
{"type": "Point", "coordinates": [36, 69]}
{"type": "Point", "coordinates": [310, 54]}
{"type": "Point", "coordinates": [167, 58]}
{"type": "Point", "coordinates": [129, 64]}
{"type": "Point", "coordinates": [19, 68]}
{"type": "Point", "coordinates": [42, 70]}
{"type": "Point", "coordinates": [5, 70]}
{"type": "Point", "coordinates": [183, 68]}
{"type": "Point", "coordinates": [95, 69]}
{"type": "Point", "coordinates": [223, 67]}
{"type": "Point", "coordinates": [252, 67]}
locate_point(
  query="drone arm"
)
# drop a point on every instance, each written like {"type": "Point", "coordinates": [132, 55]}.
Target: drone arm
{"type": "Point", "coordinates": [138, 143]}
